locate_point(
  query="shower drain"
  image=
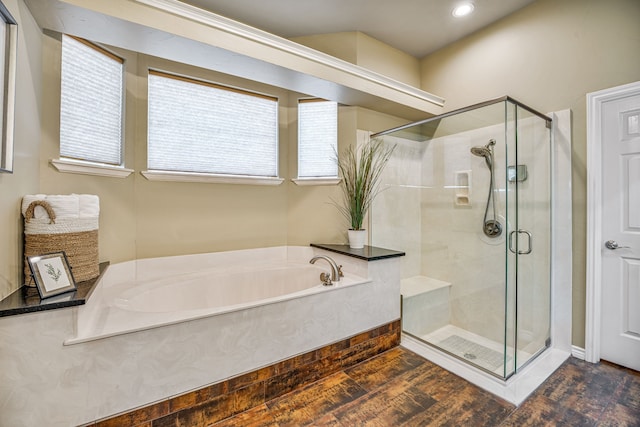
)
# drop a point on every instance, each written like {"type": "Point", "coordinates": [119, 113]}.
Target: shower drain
{"type": "Point", "coordinates": [473, 352]}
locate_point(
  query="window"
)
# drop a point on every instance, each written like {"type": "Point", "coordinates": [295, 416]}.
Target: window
{"type": "Point", "coordinates": [91, 103]}
{"type": "Point", "coordinates": [8, 47]}
{"type": "Point", "coordinates": [204, 128]}
{"type": "Point", "coordinates": [317, 139]}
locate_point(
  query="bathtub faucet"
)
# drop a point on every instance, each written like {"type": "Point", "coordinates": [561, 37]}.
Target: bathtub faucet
{"type": "Point", "coordinates": [336, 271]}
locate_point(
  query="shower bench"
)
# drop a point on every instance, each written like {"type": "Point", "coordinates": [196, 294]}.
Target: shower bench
{"type": "Point", "coordinates": [425, 304]}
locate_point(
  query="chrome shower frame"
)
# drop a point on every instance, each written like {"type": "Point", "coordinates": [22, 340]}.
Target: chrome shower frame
{"type": "Point", "coordinates": [463, 110]}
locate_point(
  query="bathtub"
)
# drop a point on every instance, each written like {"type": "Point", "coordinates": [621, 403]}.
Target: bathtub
{"type": "Point", "coordinates": [150, 293]}
{"type": "Point", "coordinates": [148, 333]}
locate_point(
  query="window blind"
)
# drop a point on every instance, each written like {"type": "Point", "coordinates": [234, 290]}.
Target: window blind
{"type": "Point", "coordinates": [91, 103]}
{"type": "Point", "coordinates": [317, 138]}
{"type": "Point", "coordinates": [200, 127]}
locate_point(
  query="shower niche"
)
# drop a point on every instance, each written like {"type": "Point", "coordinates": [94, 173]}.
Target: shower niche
{"type": "Point", "coordinates": [467, 196]}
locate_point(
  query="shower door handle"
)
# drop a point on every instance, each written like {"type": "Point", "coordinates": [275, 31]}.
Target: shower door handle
{"type": "Point", "coordinates": [529, 240]}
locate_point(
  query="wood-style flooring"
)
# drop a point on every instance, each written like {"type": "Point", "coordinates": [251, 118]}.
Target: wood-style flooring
{"type": "Point", "coordinates": [400, 388]}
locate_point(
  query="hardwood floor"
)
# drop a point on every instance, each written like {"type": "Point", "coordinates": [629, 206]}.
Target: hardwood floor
{"type": "Point", "coordinates": [399, 388]}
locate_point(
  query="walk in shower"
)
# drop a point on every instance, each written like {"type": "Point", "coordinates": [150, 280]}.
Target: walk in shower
{"type": "Point", "coordinates": [467, 196]}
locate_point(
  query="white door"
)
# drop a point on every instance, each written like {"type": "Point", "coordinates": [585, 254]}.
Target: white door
{"type": "Point", "coordinates": [620, 230]}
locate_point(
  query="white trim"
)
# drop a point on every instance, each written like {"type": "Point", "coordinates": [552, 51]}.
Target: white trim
{"type": "Point", "coordinates": [316, 181]}
{"type": "Point", "coordinates": [577, 352]}
{"type": "Point", "coordinates": [561, 234]}
{"type": "Point", "coordinates": [179, 8]}
{"type": "Point", "coordinates": [595, 100]}
{"type": "Point", "coordinates": [88, 168]}
{"type": "Point", "coordinates": [210, 178]}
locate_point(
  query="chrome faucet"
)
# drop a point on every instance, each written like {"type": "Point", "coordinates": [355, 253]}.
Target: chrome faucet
{"type": "Point", "coordinates": [336, 271]}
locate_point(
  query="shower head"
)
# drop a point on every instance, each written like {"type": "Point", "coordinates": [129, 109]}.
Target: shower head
{"type": "Point", "coordinates": [485, 151]}
{"type": "Point", "coordinates": [481, 151]}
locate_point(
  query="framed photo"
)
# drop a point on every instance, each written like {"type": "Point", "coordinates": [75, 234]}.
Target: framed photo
{"type": "Point", "coordinates": [52, 274]}
{"type": "Point", "coordinates": [8, 50]}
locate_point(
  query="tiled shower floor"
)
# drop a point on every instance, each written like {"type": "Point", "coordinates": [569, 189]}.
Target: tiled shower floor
{"type": "Point", "coordinates": [474, 348]}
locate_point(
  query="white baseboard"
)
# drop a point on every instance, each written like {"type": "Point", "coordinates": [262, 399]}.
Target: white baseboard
{"type": "Point", "coordinates": [577, 352]}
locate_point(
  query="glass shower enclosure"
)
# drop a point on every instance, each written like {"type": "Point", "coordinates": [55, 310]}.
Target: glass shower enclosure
{"type": "Point", "coordinates": [467, 196]}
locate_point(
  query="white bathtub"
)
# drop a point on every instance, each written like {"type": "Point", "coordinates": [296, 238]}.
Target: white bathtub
{"type": "Point", "coordinates": [148, 293]}
{"type": "Point", "coordinates": [111, 369]}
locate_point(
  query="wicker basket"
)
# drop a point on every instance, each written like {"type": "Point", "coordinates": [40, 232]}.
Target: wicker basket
{"type": "Point", "coordinates": [77, 237]}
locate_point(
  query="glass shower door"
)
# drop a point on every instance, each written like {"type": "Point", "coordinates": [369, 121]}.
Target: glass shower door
{"type": "Point", "coordinates": [511, 242]}
{"type": "Point", "coordinates": [527, 190]}
{"type": "Point", "coordinates": [530, 175]}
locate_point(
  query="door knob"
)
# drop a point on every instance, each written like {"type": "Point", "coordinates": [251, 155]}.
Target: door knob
{"type": "Point", "coordinates": [613, 245]}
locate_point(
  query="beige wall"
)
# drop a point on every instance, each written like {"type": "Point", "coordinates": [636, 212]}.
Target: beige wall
{"type": "Point", "coordinates": [548, 55]}
{"type": "Point", "coordinates": [384, 59]}
{"type": "Point", "coordinates": [365, 51]}
{"type": "Point", "coordinates": [341, 45]}
{"type": "Point", "coordinates": [24, 179]}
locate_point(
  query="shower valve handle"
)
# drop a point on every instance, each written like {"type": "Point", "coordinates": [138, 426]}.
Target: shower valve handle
{"type": "Point", "coordinates": [613, 245]}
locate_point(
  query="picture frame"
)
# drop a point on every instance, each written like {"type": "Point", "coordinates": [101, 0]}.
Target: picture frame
{"type": "Point", "coordinates": [52, 274]}
{"type": "Point", "coordinates": [8, 58]}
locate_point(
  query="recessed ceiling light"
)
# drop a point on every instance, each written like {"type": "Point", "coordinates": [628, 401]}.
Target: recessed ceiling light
{"type": "Point", "coordinates": [462, 10]}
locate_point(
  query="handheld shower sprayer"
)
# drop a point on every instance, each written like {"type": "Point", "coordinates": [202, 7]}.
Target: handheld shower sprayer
{"type": "Point", "coordinates": [485, 151]}
{"type": "Point", "coordinates": [491, 227]}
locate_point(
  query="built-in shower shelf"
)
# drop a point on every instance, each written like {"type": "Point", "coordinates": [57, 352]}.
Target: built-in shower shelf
{"type": "Point", "coordinates": [417, 285]}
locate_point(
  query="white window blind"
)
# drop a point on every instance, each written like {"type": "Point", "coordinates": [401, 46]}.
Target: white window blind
{"type": "Point", "coordinates": [91, 103]}
{"type": "Point", "coordinates": [201, 127]}
{"type": "Point", "coordinates": [317, 138]}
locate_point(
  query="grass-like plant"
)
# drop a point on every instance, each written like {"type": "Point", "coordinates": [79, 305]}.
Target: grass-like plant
{"type": "Point", "coordinates": [361, 170]}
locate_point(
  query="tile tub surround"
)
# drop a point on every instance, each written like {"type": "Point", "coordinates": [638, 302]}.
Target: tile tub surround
{"type": "Point", "coordinates": [219, 401]}
{"type": "Point", "coordinates": [43, 382]}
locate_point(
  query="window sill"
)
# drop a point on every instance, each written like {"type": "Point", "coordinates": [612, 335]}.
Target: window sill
{"type": "Point", "coordinates": [316, 181]}
{"type": "Point", "coordinates": [87, 168]}
{"type": "Point", "coordinates": [210, 178]}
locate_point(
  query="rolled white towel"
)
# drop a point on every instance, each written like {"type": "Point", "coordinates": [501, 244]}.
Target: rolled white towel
{"type": "Point", "coordinates": [65, 206]}
{"type": "Point", "coordinates": [89, 205]}
{"type": "Point", "coordinates": [39, 212]}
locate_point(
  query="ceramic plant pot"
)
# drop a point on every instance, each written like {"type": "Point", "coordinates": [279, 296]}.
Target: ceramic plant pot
{"type": "Point", "coordinates": [356, 238]}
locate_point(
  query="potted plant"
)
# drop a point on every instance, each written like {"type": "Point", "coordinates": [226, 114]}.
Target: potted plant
{"type": "Point", "coordinates": [361, 170]}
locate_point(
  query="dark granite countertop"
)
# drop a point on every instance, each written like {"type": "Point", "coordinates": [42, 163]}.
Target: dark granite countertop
{"type": "Point", "coordinates": [27, 300]}
{"type": "Point", "coordinates": [368, 253]}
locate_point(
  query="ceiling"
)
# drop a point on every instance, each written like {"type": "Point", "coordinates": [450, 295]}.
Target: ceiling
{"type": "Point", "coordinates": [417, 27]}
